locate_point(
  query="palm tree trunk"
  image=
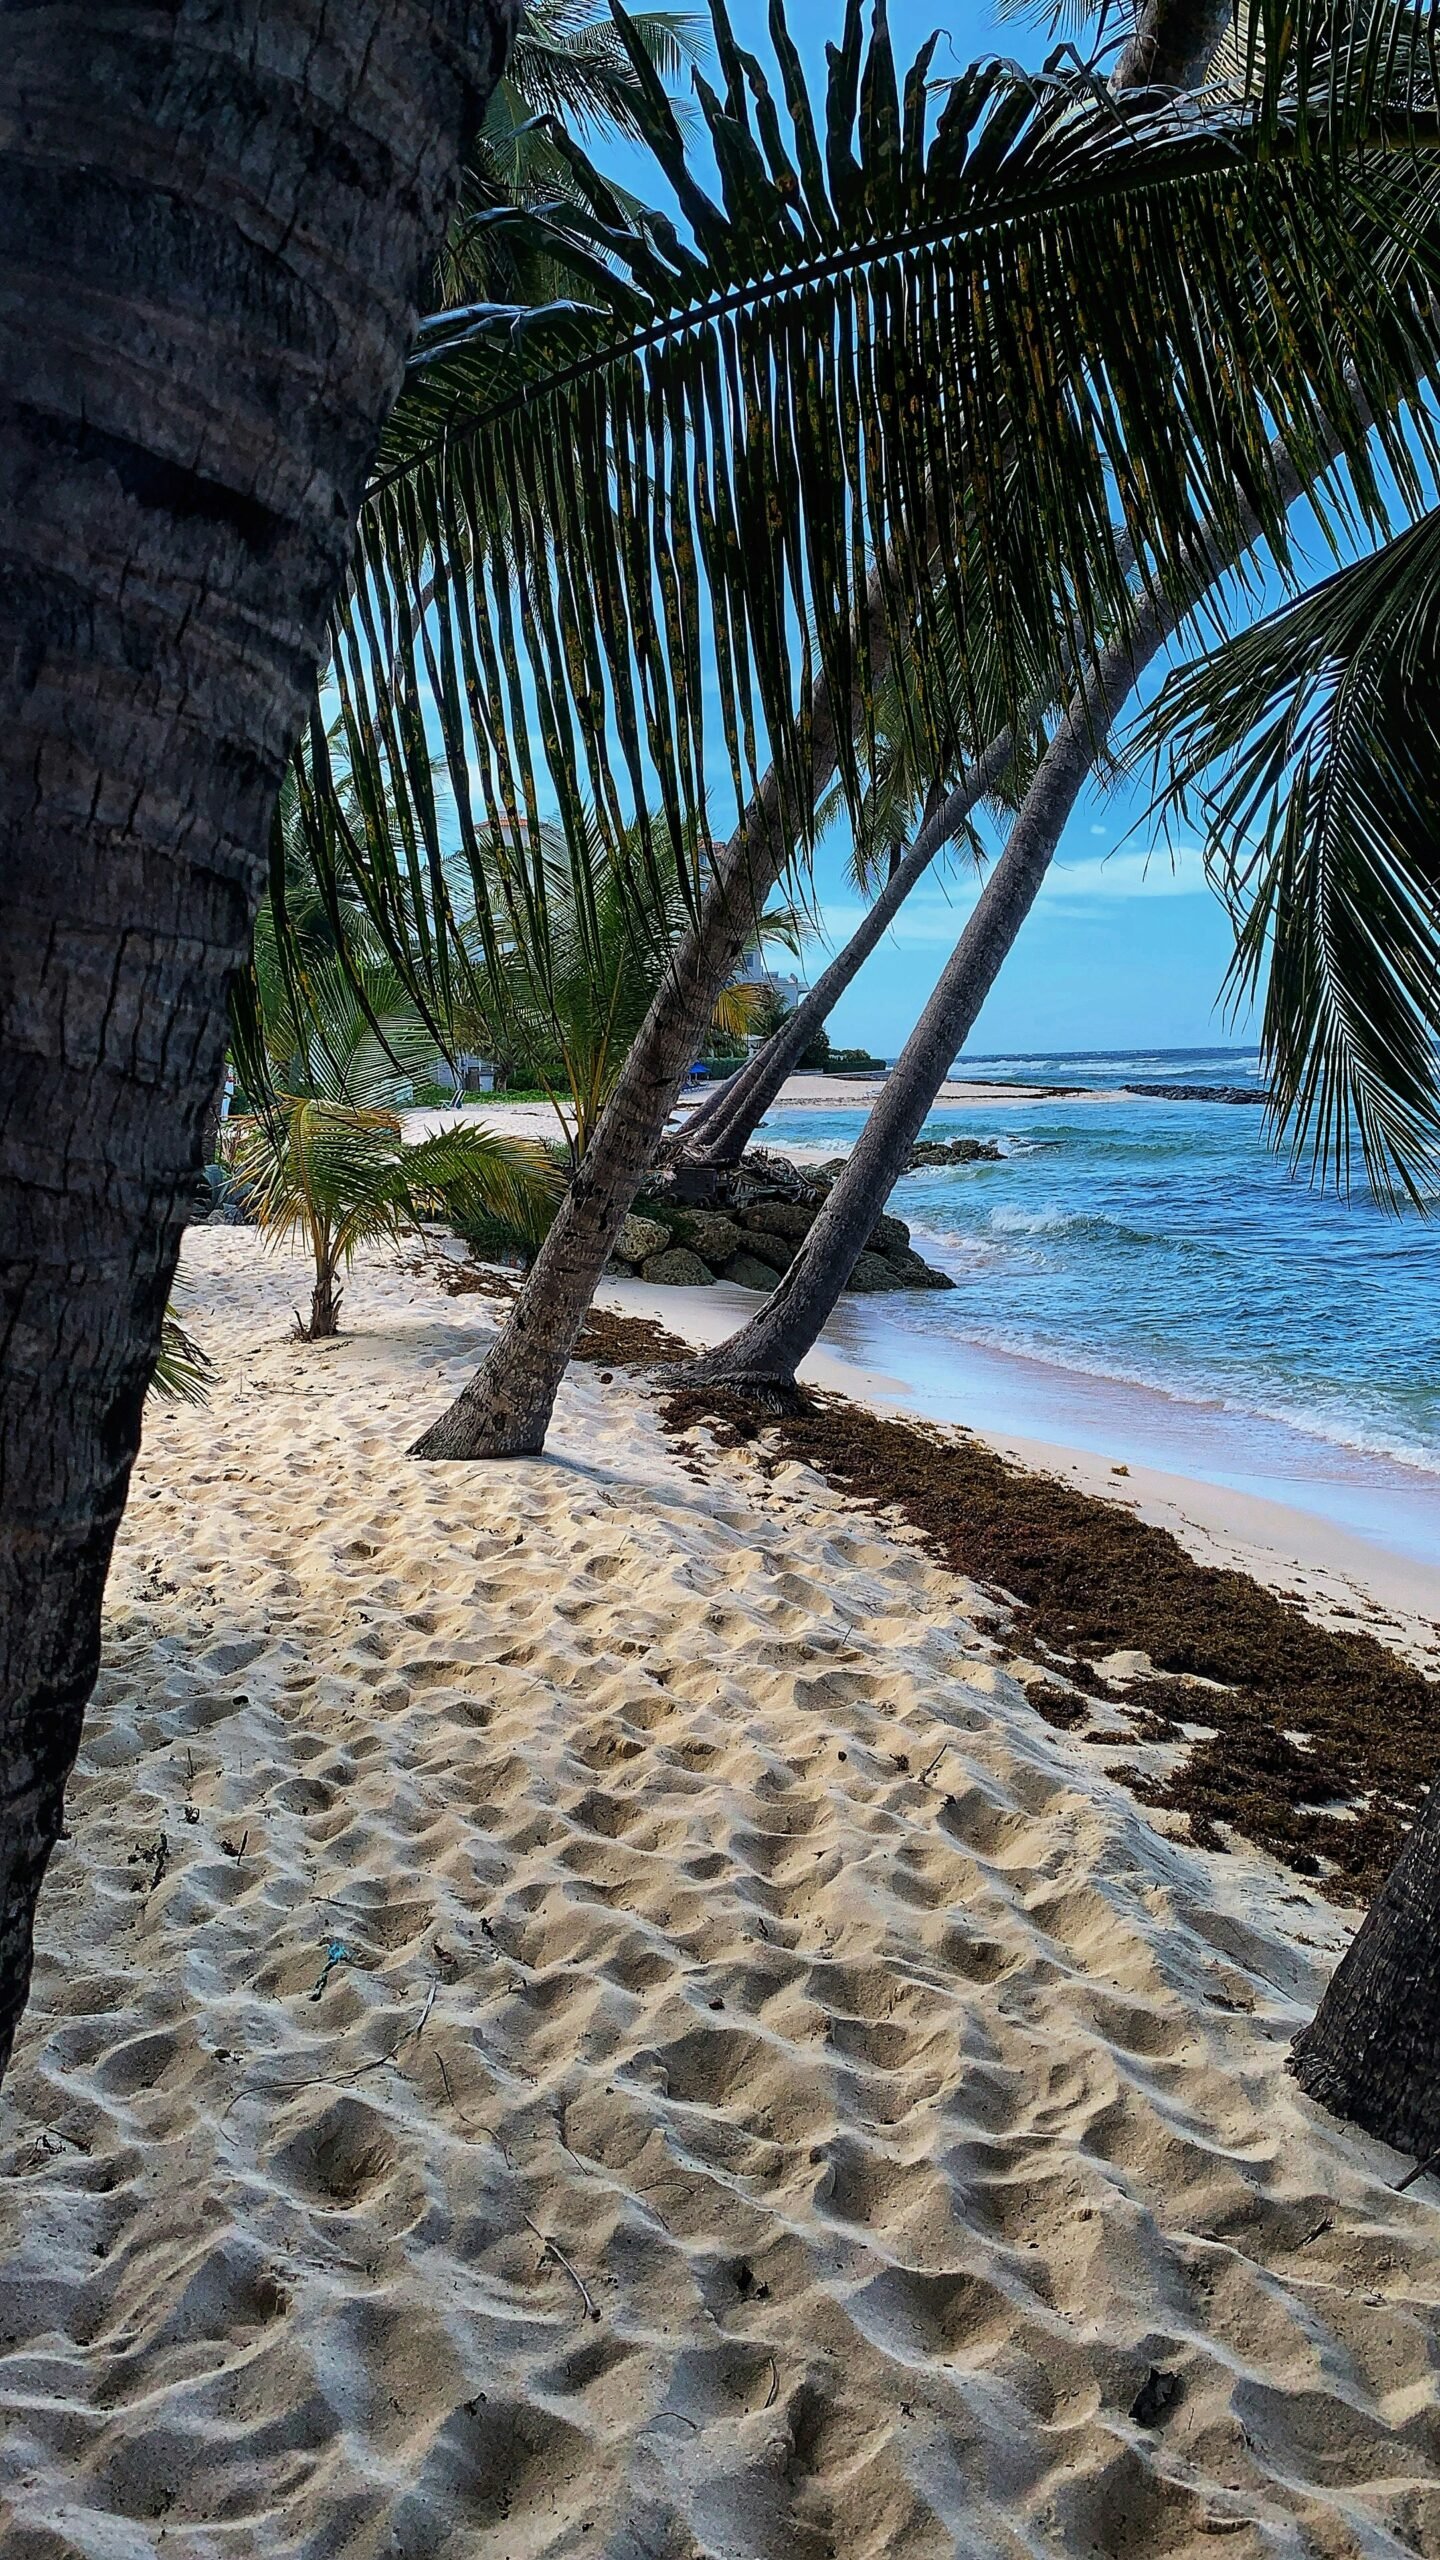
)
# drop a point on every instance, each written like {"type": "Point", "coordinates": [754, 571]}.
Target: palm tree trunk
{"type": "Point", "coordinates": [1372, 2050]}
{"type": "Point", "coordinates": [765, 1354]}
{"type": "Point", "coordinates": [324, 1303]}
{"type": "Point", "coordinates": [719, 1134]}
{"type": "Point", "coordinates": [214, 227]}
{"type": "Point", "coordinates": [505, 1409]}
{"type": "Point", "coordinates": [1172, 44]}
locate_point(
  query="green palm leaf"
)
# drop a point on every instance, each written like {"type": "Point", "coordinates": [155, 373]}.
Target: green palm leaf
{"type": "Point", "coordinates": [342, 1176]}
{"type": "Point", "coordinates": [980, 373]}
{"type": "Point", "coordinates": [183, 1372]}
{"type": "Point", "coordinates": [568, 67]}
{"type": "Point", "coordinates": [1309, 748]}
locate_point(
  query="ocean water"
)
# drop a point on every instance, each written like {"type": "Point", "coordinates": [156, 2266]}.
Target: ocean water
{"type": "Point", "coordinates": [1153, 1268]}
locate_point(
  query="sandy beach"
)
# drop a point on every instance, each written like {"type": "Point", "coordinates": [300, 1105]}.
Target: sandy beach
{"type": "Point", "coordinates": [1340, 1575]}
{"type": "Point", "coordinates": [798, 1093]}
{"type": "Point", "coordinates": [581, 2012]}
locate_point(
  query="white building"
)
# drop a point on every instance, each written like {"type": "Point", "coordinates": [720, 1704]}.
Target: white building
{"type": "Point", "coordinates": [753, 970]}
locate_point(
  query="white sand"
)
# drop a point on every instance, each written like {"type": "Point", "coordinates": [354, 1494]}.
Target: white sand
{"type": "Point", "coordinates": [711, 1904]}
{"type": "Point", "coordinates": [1341, 1576]}
{"type": "Point", "coordinates": [798, 1093]}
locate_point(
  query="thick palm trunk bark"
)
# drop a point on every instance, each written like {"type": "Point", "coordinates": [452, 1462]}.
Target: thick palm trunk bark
{"type": "Point", "coordinates": [764, 1355]}
{"type": "Point", "coordinates": [1173, 44]}
{"type": "Point", "coordinates": [325, 1298]}
{"type": "Point", "coordinates": [720, 1139]}
{"type": "Point", "coordinates": [1372, 2050]}
{"type": "Point", "coordinates": [214, 227]}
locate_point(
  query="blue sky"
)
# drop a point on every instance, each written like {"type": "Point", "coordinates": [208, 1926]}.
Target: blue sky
{"type": "Point", "coordinates": [1126, 946]}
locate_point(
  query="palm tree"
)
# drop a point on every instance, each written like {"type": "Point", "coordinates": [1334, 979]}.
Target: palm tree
{"type": "Point", "coordinates": [325, 1156]}
{"type": "Point", "coordinates": [215, 230]}
{"type": "Point", "coordinates": [1029, 219]}
{"type": "Point", "coordinates": [716, 1134]}
{"type": "Point", "coordinates": [568, 73]}
{"type": "Point", "coordinates": [570, 992]}
{"type": "Point", "coordinates": [766, 1352]}
{"type": "Point", "coordinates": [1308, 746]}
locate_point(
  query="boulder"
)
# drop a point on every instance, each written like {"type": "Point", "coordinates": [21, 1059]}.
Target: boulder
{"type": "Point", "coordinates": [872, 1271]}
{"type": "Point", "coordinates": [780, 1218]}
{"type": "Point", "coordinates": [927, 1151]}
{"type": "Point", "coordinates": [708, 1233]}
{"type": "Point", "coordinates": [778, 1251]}
{"type": "Point", "coordinates": [749, 1273]}
{"type": "Point", "coordinates": [888, 1236]}
{"type": "Point", "coordinates": [913, 1273]}
{"type": "Point", "coordinates": [639, 1238]}
{"type": "Point", "coordinates": [677, 1269]}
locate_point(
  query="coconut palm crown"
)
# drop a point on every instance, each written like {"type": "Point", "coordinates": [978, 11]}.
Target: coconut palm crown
{"type": "Point", "coordinates": [969, 364]}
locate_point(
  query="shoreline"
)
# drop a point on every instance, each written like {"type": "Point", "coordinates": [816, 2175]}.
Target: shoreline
{"type": "Point", "coordinates": [1349, 1527]}
{"type": "Point", "coordinates": [1338, 1572]}
{"type": "Point", "coordinates": [798, 1093]}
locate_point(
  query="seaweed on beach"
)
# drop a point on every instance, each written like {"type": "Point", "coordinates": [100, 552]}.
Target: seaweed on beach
{"type": "Point", "coordinates": [629, 1342]}
{"type": "Point", "coordinates": [1314, 1744]}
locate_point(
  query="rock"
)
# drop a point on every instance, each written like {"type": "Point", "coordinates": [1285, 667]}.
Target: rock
{"type": "Point", "coordinates": [677, 1269]}
{"type": "Point", "coordinates": [888, 1236]}
{"type": "Point", "coordinates": [708, 1233]}
{"type": "Point", "coordinates": [913, 1273]}
{"type": "Point", "coordinates": [1199, 1092]}
{"type": "Point", "coordinates": [778, 1251]}
{"type": "Point", "coordinates": [928, 1151]}
{"type": "Point", "coordinates": [873, 1272]}
{"type": "Point", "coordinates": [639, 1238]}
{"type": "Point", "coordinates": [780, 1218]}
{"type": "Point", "coordinates": [750, 1273]}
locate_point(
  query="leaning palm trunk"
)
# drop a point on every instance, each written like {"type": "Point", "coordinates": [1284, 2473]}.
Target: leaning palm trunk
{"type": "Point", "coordinates": [505, 1410]}
{"type": "Point", "coordinates": [718, 1134]}
{"type": "Point", "coordinates": [765, 1354]}
{"type": "Point", "coordinates": [215, 226]}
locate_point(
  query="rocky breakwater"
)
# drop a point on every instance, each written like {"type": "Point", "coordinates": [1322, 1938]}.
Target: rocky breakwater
{"type": "Point", "coordinates": [751, 1231]}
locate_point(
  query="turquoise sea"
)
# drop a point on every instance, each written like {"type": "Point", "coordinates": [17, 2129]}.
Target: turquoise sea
{"type": "Point", "coordinates": [1147, 1278]}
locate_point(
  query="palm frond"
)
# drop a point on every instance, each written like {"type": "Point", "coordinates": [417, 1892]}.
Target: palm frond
{"type": "Point", "coordinates": [1308, 748]}
{"type": "Point", "coordinates": [183, 1371]}
{"type": "Point", "coordinates": [570, 61]}
{"type": "Point", "coordinates": [474, 1175]}
{"type": "Point", "coordinates": [983, 365]}
{"type": "Point", "coordinates": [328, 1169]}
{"type": "Point", "coordinates": [568, 68]}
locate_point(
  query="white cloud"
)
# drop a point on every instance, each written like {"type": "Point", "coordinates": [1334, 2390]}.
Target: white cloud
{"type": "Point", "coordinates": [1146, 871]}
{"type": "Point", "coordinates": [1070, 887]}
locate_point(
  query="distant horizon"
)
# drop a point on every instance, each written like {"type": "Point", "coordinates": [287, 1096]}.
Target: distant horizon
{"type": "Point", "coordinates": [1129, 1049]}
